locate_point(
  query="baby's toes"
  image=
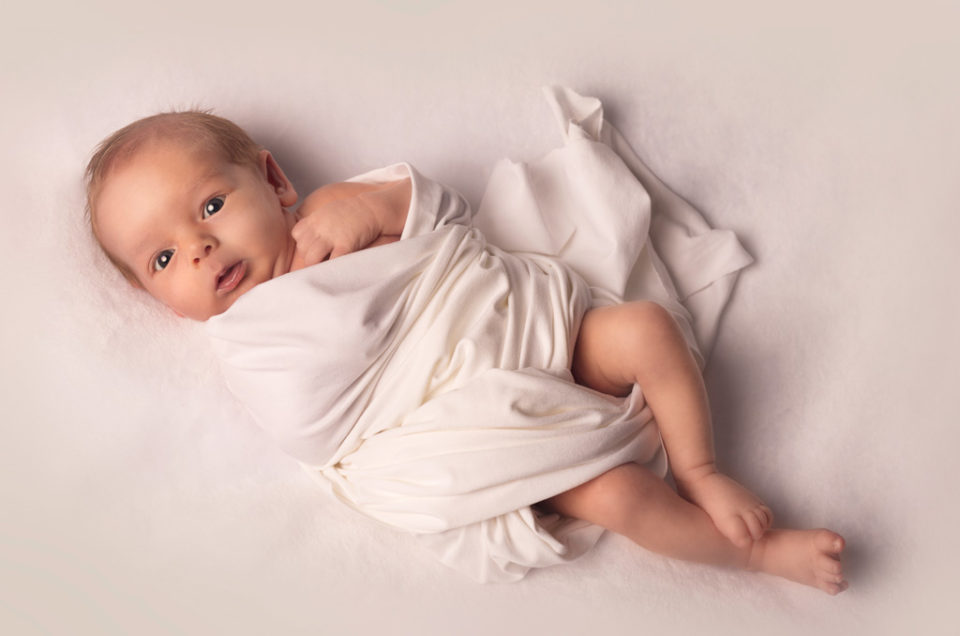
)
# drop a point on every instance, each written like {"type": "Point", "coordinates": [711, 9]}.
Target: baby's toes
{"type": "Point", "coordinates": [829, 542]}
{"type": "Point", "coordinates": [833, 588]}
{"type": "Point", "coordinates": [829, 567]}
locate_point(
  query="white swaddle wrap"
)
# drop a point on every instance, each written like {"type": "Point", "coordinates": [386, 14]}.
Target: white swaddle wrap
{"type": "Point", "coordinates": [427, 380]}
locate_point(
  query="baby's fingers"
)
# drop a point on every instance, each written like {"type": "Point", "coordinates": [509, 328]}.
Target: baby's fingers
{"type": "Point", "coordinates": [349, 246]}
{"type": "Point", "coordinates": [340, 250]}
{"type": "Point", "coordinates": [315, 252]}
{"type": "Point", "coordinates": [300, 230]}
{"type": "Point", "coordinates": [767, 516]}
{"type": "Point", "coordinates": [754, 524]}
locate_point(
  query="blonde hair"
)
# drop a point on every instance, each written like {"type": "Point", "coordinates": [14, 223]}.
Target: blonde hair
{"type": "Point", "coordinates": [196, 127]}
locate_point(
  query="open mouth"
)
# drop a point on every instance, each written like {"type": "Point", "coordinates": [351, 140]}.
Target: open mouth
{"type": "Point", "coordinates": [231, 277]}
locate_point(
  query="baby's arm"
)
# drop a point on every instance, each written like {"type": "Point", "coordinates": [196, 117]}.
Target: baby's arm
{"type": "Point", "coordinates": [346, 217]}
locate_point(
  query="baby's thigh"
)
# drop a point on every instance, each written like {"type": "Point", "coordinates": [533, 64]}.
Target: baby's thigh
{"type": "Point", "coordinates": [614, 342]}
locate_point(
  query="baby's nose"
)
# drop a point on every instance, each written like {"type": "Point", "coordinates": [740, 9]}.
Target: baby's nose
{"type": "Point", "coordinates": [207, 247]}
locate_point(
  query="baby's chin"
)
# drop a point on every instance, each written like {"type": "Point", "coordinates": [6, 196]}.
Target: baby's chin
{"type": "Point", "coordinates": [220, 309]}
{"type": "Point", "coordinates": [206, 313]}
{"type": "Point", "coordinates": [227, 301]}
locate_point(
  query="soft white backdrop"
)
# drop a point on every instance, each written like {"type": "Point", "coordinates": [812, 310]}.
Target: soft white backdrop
{"type": "Point", "coordinates": [137, 498]}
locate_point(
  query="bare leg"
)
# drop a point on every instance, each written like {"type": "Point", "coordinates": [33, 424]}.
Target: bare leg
{"type": "Point", "coordinates": [641, 343]}
{"type": "Point", "coordinates": [632, 501]}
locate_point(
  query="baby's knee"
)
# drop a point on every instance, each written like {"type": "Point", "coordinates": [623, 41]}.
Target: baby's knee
{"type": "Point", "coordinates": [618, 495]}
{"type": "Point", "coordinates": [652, 315]}
{"type": "Point", "coordinates": [651, 325]}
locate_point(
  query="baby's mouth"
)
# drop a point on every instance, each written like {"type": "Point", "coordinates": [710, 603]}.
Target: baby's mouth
{"type": "Point", "coordinates": [231, 277]}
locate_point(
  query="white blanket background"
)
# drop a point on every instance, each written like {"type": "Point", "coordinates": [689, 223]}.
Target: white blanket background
{"type": "Point", "coordinates": [137, 497]}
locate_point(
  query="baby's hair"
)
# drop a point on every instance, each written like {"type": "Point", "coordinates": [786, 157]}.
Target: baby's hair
{"type": "Point", "coordinates": [196, 127]}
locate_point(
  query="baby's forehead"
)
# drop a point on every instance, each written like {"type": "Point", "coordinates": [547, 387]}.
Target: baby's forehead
{"type": "Point", "coordinates": [194, 149]}
{"type": "Point", "coordinates": [167, 157]}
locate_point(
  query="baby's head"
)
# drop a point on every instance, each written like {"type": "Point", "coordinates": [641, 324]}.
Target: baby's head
{"type": "Point", "coordinates": [191, 210]}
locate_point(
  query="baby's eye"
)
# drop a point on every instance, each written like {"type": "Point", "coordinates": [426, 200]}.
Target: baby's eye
{"type": "Point", "coordinates": [212, 207]}
{"type": "Point", "coordinates": [162, 260]}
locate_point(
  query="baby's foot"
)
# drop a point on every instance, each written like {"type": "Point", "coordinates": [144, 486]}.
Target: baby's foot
{"type": "Point", "coordinates": [811, 557]}
{"type": "Point", "coordinates": [738, 514]}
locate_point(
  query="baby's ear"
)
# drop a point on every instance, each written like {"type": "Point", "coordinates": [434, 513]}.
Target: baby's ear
{"type": "Point", "coordinates": [277, 179]}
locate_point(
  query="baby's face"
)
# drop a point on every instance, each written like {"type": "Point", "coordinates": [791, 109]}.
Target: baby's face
{"type": "Point", "coordinates": [195, 229]}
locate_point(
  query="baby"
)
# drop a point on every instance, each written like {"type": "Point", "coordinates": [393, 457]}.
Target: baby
{"type": "Point", "coordinates": [195, 213]}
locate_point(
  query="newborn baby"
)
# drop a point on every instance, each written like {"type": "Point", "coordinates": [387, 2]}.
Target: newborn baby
{"type": "Point", "coordinates": [192, 211]}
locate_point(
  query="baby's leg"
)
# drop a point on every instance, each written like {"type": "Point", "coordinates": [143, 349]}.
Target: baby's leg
{"type": "Point", "coordinates": [632, 501]}
{"type": "Point", "coordinates": [641, 343]}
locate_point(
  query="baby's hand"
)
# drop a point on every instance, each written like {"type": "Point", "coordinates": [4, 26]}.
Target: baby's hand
{"type": "Point", "coordinates": [346, 217]}
{"type": "Point", "coordinates": [333, 229]}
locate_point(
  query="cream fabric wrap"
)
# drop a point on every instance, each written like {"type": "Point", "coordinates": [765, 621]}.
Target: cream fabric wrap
{"type": "Point", "coordinates": [427, 381]}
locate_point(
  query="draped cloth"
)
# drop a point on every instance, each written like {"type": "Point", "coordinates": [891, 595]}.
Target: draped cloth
{"type": "Point", "coordinates": [426, 382]}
